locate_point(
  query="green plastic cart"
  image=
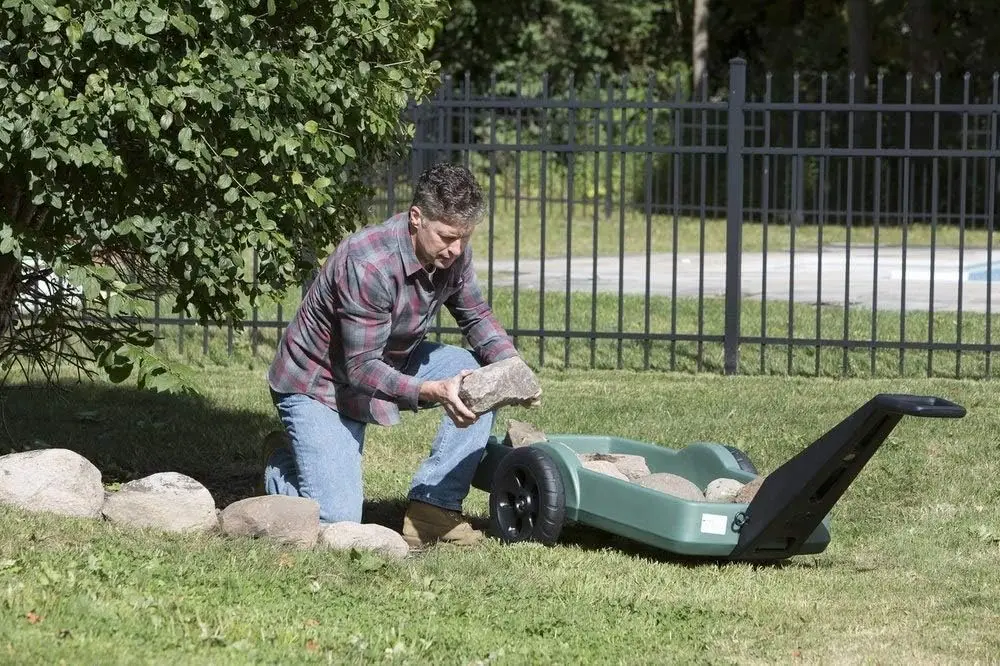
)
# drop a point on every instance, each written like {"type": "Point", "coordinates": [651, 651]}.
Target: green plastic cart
{"type": "Point", "coordinates": [536, 489]}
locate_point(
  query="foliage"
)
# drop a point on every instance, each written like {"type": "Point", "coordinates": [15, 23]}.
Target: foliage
{"type": "Point", "coordinates": [166, 140]}
{"type": "Point", "coordinates": [564, 38]}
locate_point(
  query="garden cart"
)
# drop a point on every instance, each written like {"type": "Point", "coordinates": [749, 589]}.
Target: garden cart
{"type": "Point", "coordinates": [534, 490]}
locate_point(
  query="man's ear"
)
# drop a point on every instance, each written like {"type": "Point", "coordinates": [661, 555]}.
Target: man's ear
{"type": "Point", "coordinates": [416, 218]}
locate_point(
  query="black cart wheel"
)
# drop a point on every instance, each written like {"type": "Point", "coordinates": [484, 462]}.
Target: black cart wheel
{"type": "Point", "coordinates": [527, 500]}
{"type": "Point", "coordinates": [743, 460]}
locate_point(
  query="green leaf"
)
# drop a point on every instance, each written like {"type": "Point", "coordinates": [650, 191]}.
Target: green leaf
{"type": "Point", "coordinates": [312, 126]}
{"type": "Point", "coordinates": [224, 181]}
{"type": "Point", "coordinates": [230, 152]}
{"type": "Point", "coordinates": [232, 195]}
{"type": "Point", "coordinates": [364, 67]}
{"type": "Point", "coordinates": [74, 32]}
{"type": "Point", "coordinates": [183, 164]}
{"type": "Point", "coordinates": [296, 178]}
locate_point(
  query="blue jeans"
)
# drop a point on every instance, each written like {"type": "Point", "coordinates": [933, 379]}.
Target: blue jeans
{"type": "Point", "coordinates": [324, 462]}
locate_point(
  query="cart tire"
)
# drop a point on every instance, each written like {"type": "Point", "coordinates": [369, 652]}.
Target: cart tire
{"type": "Point", "coordinates": [527, 499]}
{"type": "Point", "coordinates": [743, 460]}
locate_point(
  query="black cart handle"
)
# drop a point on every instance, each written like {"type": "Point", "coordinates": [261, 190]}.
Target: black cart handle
{"type": "Point", "coordinates": [920, 405]}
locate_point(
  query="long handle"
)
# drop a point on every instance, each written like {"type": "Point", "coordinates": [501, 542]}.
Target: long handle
{"type": "Point", "coordinates": [920, 405]}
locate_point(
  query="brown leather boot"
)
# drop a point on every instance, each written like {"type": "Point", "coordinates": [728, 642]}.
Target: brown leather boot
{"type": "Point", "coordinates": [425, 524]}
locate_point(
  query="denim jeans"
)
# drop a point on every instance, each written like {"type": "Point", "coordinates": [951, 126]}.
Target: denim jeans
{"type": "Point", "coordinates": [324, 462]}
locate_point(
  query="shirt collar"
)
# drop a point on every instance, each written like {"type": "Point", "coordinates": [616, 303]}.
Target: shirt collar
{"type": "Point", "coordinates": [411, 264]}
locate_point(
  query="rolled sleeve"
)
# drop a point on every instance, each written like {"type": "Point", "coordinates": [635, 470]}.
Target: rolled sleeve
{"type": "Point", "coordinates": [363, 316]}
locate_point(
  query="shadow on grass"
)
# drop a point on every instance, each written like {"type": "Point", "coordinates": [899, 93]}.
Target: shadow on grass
{"type": "Point", "coordinates": [128, 433]}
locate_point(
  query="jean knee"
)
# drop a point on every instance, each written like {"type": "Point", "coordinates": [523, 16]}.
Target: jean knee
{"type": "Point", "coordinates": [463, 359]}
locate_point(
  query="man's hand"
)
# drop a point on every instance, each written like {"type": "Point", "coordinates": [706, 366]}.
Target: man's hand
{"type": "Point", "coordinates": [445, 392]}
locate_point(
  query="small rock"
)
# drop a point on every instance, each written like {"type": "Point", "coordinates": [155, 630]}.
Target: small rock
{"type": "Point", "coordinates": [347, 535]}
{"type": "Point", "coordinates": [749, 491]}
{"type": "Point", "coordinates": [57, 481]}
{"type": "Point", "coordinates": [167, 501]}
{"type": "Point", "coordinates": [506, 382]}
{"type": "Point", "coordinates": [522, 433]}
{"type": "Point", "coordinates": [672, 484]}
{"type": "Point", "coordinates": [632, 466]}
{"type": "Point", "coordinates": [292, 520]}
{"type": "Point", "coordinates": [722, 490]}
{"type": "Point", "coordinates": [604, 467]}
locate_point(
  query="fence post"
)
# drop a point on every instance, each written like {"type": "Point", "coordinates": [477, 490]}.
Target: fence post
{"type": "Point", "coordinates": [734, 213]}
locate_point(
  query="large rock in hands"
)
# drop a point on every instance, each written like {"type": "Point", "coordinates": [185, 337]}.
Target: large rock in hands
{"type": "Point", "coordinates": [166, 501]}
{"type": "Point", "coordinates": [58, 481]}
{"type": "Point", "coordinates": [506, 382]}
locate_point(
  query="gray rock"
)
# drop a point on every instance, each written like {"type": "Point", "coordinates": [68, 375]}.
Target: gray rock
{"type": "Point", "coordinates": [53, 480]}
{"type": "Point", "coordinates": [522, 433]}
{"type": "Point", "coordinates": [506, 382]}
{"type": "Point", "coordinates": [291, 520]}
{"type": "Point", "coordinates": [722, 490]}
{"type": "Point", "coordinates": [632, 466]}
{"type": "Point", "coordinates": [166, 501]}
{"type": "Point", "coordinates": [749, 491]}
{"type": "Point", "coordinates": [368, 536]}
{"type": "Point", "coordinates": [604, 467]}
{"type": "Point", "coordinates": [672, 484]}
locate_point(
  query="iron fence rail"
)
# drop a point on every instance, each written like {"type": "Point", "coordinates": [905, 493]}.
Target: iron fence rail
{"type": "Point", "coordinates": [638, 226]}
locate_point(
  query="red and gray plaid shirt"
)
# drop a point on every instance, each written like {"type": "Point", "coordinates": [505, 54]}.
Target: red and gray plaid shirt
{"type": "Point", "coordinates": [366, 312]}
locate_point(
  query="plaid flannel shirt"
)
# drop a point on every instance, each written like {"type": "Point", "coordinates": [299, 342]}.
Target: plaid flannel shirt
{"type": "Point", "coordinates": [366, 312]}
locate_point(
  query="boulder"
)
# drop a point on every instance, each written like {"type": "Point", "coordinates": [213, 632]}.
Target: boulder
{"type": "Point", "coordinates": [672, 484]}
{"type": "Point", "coordinates": [632, 466]}
{"type": "Point", "coordinates": [166, 501]}
{"type": "Point", "coordinates": [522, 433]}
{"type": "Point", "coordinates": [604, 467]}
{"type": "Point", "coordinates": [722, 490]}
{"type": "Point", "coordinates": [749, 491]}
{"type": "Point", "coordinates": [506, 382]}
{"type": "Point", "coordinates": [291, 520]}
{"type": "Point", "coordinates": [377, 538]}
{"type": "Point", "coordinates": [57, 481]}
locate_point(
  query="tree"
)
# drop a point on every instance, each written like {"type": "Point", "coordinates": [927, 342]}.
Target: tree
{"type": "Point", "coordinates": [859, 45]}
{"type": "Point", "coordinates": [699, 43]}
{"type": "Point", "coordinates": [582, 38]}
{"type": "Point", "coordinates": [152, 146]}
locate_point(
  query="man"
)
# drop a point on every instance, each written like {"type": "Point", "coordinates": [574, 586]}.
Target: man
{"type": "Point", "coordinates": [355, 354]}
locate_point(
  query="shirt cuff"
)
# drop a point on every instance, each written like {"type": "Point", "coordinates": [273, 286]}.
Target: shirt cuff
{"type": "Point", "coordinates": [409, 393]}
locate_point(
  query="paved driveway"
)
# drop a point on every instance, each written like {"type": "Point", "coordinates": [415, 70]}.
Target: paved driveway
{"type": "Point", "coordinates": [861, 276]}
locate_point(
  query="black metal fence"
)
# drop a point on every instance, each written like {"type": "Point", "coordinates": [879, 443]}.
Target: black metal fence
{"type": "Point", "coordinates": [789, 227]}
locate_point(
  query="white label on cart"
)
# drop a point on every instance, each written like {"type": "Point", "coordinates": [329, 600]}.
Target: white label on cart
{"type": "Point", "coordinates": [713, 523]}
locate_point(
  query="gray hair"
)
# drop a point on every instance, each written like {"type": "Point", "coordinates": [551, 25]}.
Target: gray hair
{"type": "Point", "coordinates": [449, 193]}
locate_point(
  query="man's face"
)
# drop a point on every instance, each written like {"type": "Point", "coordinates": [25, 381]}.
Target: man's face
{"type": "Point", "coordinates": [436, 242]}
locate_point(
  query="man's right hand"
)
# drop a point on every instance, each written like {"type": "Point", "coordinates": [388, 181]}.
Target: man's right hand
{"type": "Point", "coordinates": [445, 392]}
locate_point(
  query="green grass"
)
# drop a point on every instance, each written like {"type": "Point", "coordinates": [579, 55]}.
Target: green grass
{"type": "Point", "coordinates": [519, 233]}
{"type": "Point", "coordinates": [910, 575]}
{"type": "Point", "coordinates": [686, 317]}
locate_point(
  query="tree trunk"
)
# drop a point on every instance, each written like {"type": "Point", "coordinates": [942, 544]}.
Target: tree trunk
{"type": "Point", "coordinates": [699, 44]}
{"type": "Point", "coordinates": [923, 60]}
{"type": "Point", "coordinates": [859, 40]}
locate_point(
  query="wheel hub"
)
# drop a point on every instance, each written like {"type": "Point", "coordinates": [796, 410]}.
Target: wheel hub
{"type": "Point", "coordinates": [523, 505]}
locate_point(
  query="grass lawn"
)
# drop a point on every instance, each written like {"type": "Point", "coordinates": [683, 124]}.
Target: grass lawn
{"type": "Point", "coordinates": [539, 322]}
{"type": "Point", "coordinates": [910, 575]}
